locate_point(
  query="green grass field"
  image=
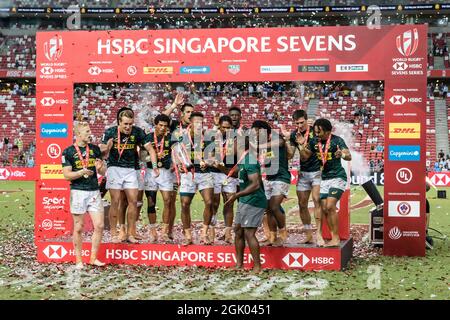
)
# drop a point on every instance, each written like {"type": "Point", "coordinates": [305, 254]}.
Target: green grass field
{"type": "Point", "coordinates": [369, 276]}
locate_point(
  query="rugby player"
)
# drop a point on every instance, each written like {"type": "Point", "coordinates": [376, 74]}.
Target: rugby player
{"type": "Point", "coordinates": [309, 177]}
{"type": "Point", "coordinates": [81, 162]}
{"type": "Point", "coordinates": [120, 144]}
{"type": "Point", "coordinates": [329, 149]}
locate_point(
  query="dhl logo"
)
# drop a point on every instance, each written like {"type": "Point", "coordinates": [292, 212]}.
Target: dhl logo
{"type": "Point", "coordinates": [404, 130]}
{"type": "Point", "coordinates": [51, 171]}
{"type": "Point", "coordinates": [158, 70]}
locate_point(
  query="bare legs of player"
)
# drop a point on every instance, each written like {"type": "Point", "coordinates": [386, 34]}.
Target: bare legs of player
{"type": "Point", "coordinates": [207, 195]}
{"type": "Point", "coordinates": [113, 213]}
{"type": "Point", "coordinates": [151, 213]}
{"type": "Point", "coordinates": [249, 235]}
{"type": "Point", "coordinates": [78, 224]}
{"type": "Point", "coordinates": [277, 219]}
{"type": "Point", "coordinates": [166, 216]}
{"type": "Point", "coordinates": [228, 217]}
{"type": "Point", "coordinates": [330, 212]}
{"type": "Point", "coordinates": [186, 218]}
{"type": "Point", "coordinates": [132, 195]}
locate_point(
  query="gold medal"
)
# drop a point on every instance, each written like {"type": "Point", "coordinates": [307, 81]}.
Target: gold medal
{"type": "Point", "coordinates": [160, 164]}
{"type": "Point", "coordinates": [85, 176]}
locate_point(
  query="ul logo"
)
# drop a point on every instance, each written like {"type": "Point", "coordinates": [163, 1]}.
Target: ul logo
{"type": "Point", "coordinates": [404, 175]}
{"type": "Point", "coordinates": [53, 151]}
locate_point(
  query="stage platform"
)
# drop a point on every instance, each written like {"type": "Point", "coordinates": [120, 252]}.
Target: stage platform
{"type": "Point", "coordinates": [290, 257]}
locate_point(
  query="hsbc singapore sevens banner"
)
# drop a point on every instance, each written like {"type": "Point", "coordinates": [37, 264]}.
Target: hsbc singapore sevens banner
{"type": "Point", "coordinates": [395, 54]}
{"type": "Point", "coordinates": [303, 258]}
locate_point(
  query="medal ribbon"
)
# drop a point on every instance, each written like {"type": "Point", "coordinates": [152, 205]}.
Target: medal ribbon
{"type": "Point", "coordinates": [84, 162]}
{"type": "Point", "coordinates": [323, 155]}
{"type": "Point", "coordinates": [161, 147]}
{"type": "Point", "coordinates": [118, 143]}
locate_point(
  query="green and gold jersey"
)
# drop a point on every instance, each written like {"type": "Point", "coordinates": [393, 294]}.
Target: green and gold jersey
{"type": "Point", "coordinates": [247, 167]}
{"type": "Point", "coordinates": [333, 167]}
{"type": "Point", "coordinates": [224, 148]}
{"type": "Point", "coordinates": [165, 159]}
{"type": "Point", "coordinates": [196, 151]}
{"type": "Point", "coordinates": [70, 159]}
{"type": "Point", "coordinates": [276, 164]}
{"type": "Point", "coordinates": [312, 164]}
{"type": "Point", "coordinates": [128, 144]}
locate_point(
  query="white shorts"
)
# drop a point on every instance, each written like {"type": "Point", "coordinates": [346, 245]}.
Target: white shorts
{"type": "Point", "coordinates": [306, 180]}
{"type": "Point", "coordinates": [141, 181]}
{"type": "Point", "coordinates": [200, 182]}
{"type": "Point", "coordinates": [276, 188]}
{"type": "Point", "coordinates": [82, 201]}
{"type": "Point", "coordinates": [164, 182]}
{"type": "Point", "coordinates": [219, 187]}
{"type": "Point", "coordinates": [121, 178]}
{"type": "Point", "coordinates": [333, 184]}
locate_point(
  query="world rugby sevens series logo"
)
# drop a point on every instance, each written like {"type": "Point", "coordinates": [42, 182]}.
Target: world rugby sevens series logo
{"type": "Point", "coordinates": [53, 48]}
{"type": "Point", "coordinates": [408, 42]}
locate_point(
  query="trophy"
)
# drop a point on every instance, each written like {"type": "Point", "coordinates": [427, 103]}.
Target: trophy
{"type": "Point", "coordinates": [181, 157]}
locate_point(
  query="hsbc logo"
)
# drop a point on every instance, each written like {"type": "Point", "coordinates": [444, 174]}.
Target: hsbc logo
{"type": "Point", "coordinates": [53, 48]}
{"type": "Point", "coordinates": [47, 70]}
{"type": "Point", "coordinates": [400, 66]}
{"type": "Point", "coordinates": [55, 252]}
{"type": "Point", "coordinates": [397, 100]}
{"type": "Point", "coordinates": [54, 151]}
{"type": "Point", "coordinates": [47, 102]}
{"type": "Point", "coordinates": [296, 259]}
{"type": "Point", "coordinates": [404, 175]}
{"type": "Point", "coordinates": [94, 71]}
{"type": "Point", "coordinates": [438, 179]}
{"type": "Point", "coordinates": [408, 42]}
{"type": "Point", "coordinates": [4, 174]}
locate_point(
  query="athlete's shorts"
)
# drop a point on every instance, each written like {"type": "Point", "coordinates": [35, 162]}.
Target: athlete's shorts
{"type": "Point", "coordinates": [219, 187]}
{"type": "Point", "coordinates": [332, 188]}
{"type": "Point", "coordinates": [276, 188]}
{"type": "Point", "coordinates": [306, 180]}
{"type": "Point", "coordinates": [82, 201]}
{"type": "Point", "coordinates": [121, 178]}
{"type": "Point", "coordinates": [249, 216]}
{"type": "Point", "coordinates": [201, 181]}
{"type": "Point", "coordinates": [163, 182]}
{"type": "Point", "coordinates": [140, 180]}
